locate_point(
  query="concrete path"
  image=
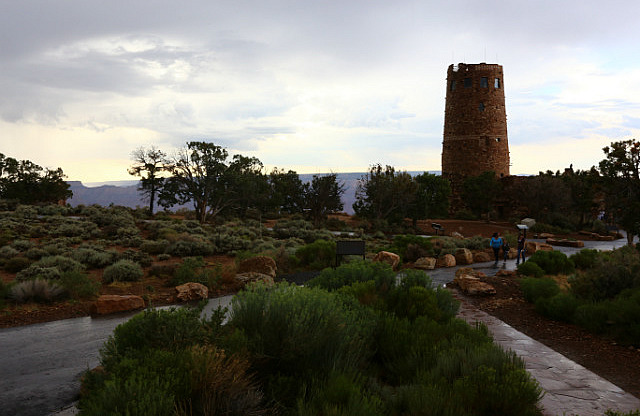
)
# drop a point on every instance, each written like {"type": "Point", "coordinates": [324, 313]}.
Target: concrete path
{"type": "Point", "coordinates": [570, 389]}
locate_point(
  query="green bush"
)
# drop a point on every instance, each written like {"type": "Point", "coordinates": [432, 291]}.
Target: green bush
{"type": "Point", "coordinates": [585, 258]}
{"type": "Point", "coordinates": [299, 333]}
{"type": "Point", "coordinates": [530, 269]}
{"type": "Point", "coordinates": [553, 262]}
{"type": "Point", "coordinates": [411, 247]}
{"type": "Point", "coordinates": [192, 269]}
{"type": "Point", "coordinates": [190, 248]}
{"type": "Point", "coordinates": [15, 264]}
{"type": "Point", "coordinates": [317, 255]}
{"type": "Point", "coordinates": [612, 273]}
{"type": "Point", "coordinates": [122, 271]}
{"type": "Point", "coordinates": [154, 246]}
{"type": "Point", "coordinates": [559, 307]}
{"type": "Point", "coordinates": [535, 288]}
{"type": "Point", "coordinates": [592, 316]}
{"type": "Point", "coordinates": [36, 290]}
{"type": "Point", "coordinates": [93, 258]}
{"type": "Point", "coordinates": [171, 330]}
{"type": "Point", "coordinates": [79, 285]}
{"type": "Point", "coordinates": [62, 263]}
{"type": "Point", "coordinates": [38, 272]}
{"type": "Point", "coordinates": [143, 259]}
{"type": "Point", "coordinates": [349, 273]}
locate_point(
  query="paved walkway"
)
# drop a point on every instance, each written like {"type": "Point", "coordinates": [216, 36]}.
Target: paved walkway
{"type": "Point", "coordinates": [570, 389]}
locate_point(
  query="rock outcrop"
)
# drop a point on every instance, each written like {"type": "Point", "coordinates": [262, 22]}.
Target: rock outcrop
{"type": "Point", "coordinates": [448, 260]}
{"type": "Point", "coordinates": [471, 284]}
{"type": "Point", "coordinates": [247, 278]}
{"type": "Point", "coordinates": [464, 256]}
{"type": "Point", "coordinates": [565, 242]}
{"type": "Point", "coordinates": [533, 246]}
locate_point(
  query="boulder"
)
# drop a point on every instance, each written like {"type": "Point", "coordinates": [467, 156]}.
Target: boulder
{"type": "Point", "coordinates": [507, 273]}
{"type": "Point", "coordinates": [107, 304]}
{"type": "Point", "coordinates": [482, 256]}
{"type": "Point", "coordinates": [473, 286]}
{"type": "Point", "coordinates": [457, 235]}
{"type": "Point", "coordinates": [425, 263]}
{"type": "Point", "coordinates": [448, 260]}
{"type": "Point", "coordinates": [248, 278]}
{"type": "Point", "coordinates": [464, 256]}
{"type": "Point", "coordinates": [192, 291]}
{"type": "Point", "coordinates": [533, 246]}
{"type": "Point", "coordinates": [260, 264]}
{"type": "Point", "coordinates": [391, 259]}
{"type": "Point", "coordinates": [544, 236]}
{"type": "Point", "coordinates": [565, 242]}
{"type": "Point", "coordinates": [529, 222]}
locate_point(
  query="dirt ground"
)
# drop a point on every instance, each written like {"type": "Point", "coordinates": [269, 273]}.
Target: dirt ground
{"type": "Point", "coordinates": [618, 364]}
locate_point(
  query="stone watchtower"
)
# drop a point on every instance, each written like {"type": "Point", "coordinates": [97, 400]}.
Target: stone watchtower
{"type": "Point", "coordinates": [475, 123]}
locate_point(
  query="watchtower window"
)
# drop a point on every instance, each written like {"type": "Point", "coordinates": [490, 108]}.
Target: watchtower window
{"type": "Point", "coordinates": [453, 85]}
{"type": "Point", "coordinates": [496, 83]}
{"type": "Point", "coordinates": [467, 83]}
{"type": "Point", "coordinates": [481, 106]}
{"type": "Point", "coordinates": [497, 139]}
{"type": "Point", "coordinates": [484, 82]}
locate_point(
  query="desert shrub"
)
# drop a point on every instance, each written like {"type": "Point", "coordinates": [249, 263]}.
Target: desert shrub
{"type": "Point", "coordinates": [599, 227]}
{"type": "Point", "coordinates": [340, 394]}
{"type": "Point", "coordinates": [143, 259]}
{"type": "Point", "coordinates": [480, 243]}
{"type": "Point", "coordinates": [38, 272]}
{"type": "Point", "coordinates": [163, 270]}
{"type": "Point", "coordinates": [22, 245]}
{"type": "Point", "coordinates": [540, 227]}
{"type": "Point", "coordinates": [122, 271]}
{"type": "Point", "coordinates": [163, 257]}
{"type": "Point", "coordinates": [53, 209]}
{"type": "Point", "coordinates": [224, 385]}
{"type": "Point", "coordinates": [93, 258]}
{"type": "Point", "coordinates": [171, 330]}
{"type": "Point", "coordinates": [411, 247]}
{"type": "Point", "coordinates": [585, 258]}
{"type": "Point", "coordinates": [536, 288]}
{"type": "Point", "coordinates": [612, 273]}
{"type": "Point", "coordinates": [300, 229]}
{"type": "Point", "coordinates": [140, 394]}
{"type": "Point", "coordinates": [7, 252]}
{"type": "Point", "coordinates": [356, 271]}
{"type": "Point", "coordinates": [530, 269]}
{"type": "Point", "coordinates": [465, 214]}
{"type": "Point", "coordinates": [559, 307]}
{"type": "Point", "coordinates": [62, 263]}
{"type": "Point", "coordinates": [15, 264]}
{"type": "Point", "coordinates": [190, 248]}
{"type": "Point", "coordinates": [154, 246]}
{"type": "Point", "coordinates": [317, 255]}
{"type": "Point", "coordinates": [35, 253]}
{"type": "Point", "coordinates": [552, 262]}
{"type": "Point", "coordinates": [297, 333]}
{"type": "Point", "coordinates": [36, 290]}
{"type": "Point", "coordinates": [79, 285]}
{"type": "Point", "coordinates": [26, 212]}
{"type": "Point", "coordinates": [592, 316]}
{"type": "Point", "coordinates": [193, 269]}
{"type": "Point", "coordinates": [74, 229]}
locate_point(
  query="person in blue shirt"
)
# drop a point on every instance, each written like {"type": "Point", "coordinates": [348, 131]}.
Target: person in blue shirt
{"type": "Point", "coordinates": [496, 244]}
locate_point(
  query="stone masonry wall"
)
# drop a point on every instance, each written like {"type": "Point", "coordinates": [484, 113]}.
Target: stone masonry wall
{"type": "Point", "coordinates": [475, 123]}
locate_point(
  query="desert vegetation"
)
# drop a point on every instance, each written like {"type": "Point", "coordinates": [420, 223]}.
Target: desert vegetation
{"type": "Point", "coordinates": [355, 340]}
{"type": "Point", "coordinates": [600, 291]}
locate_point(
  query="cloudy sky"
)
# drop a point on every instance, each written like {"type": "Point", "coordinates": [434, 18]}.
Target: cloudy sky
{"type": "Point", "coordinates": [313, 86]}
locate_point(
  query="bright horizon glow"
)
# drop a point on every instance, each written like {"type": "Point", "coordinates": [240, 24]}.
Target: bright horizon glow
{"type": "Point", "coordinates": [314, 87]}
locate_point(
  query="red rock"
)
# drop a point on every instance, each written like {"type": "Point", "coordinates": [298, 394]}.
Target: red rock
{"type": "Point", "coordinates": [260, 264]}
{"type": "Point", "coordinates": [107, 304]}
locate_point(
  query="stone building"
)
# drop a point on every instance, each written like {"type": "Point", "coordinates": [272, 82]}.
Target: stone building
{"type": "Point", "coordinates": [475, 124]}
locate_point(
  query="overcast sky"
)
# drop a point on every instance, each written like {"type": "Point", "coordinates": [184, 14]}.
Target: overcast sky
{"type": "Point", "coordinates": [313, 86]}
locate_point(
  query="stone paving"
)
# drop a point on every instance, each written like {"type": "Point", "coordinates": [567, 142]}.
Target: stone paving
{"type": "Point", "coordinates": [570, 389]}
